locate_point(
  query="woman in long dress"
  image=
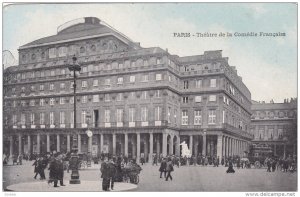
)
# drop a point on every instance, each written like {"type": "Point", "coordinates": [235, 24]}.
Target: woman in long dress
{"type": "Point", "coordinates": [230, 167]}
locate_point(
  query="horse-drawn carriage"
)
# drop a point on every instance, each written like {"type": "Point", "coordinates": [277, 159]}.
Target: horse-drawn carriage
{"type": "Point", "coordinates": [131, 173]}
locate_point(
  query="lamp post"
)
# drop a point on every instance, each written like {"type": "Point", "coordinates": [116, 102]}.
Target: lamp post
{"type": "Point", "coordinates": [74, 160]}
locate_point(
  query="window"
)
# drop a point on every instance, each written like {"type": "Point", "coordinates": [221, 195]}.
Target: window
{"type": "Point", "coordinates": [144, 95]}
{"type": "Point", "coordinates": [175, 116]}
{"type": "Point", "coordinates": [42, 102]}
{"type": "Point", "coordinates": [157, 113]}
{"type": "Point", "coordinates": [120, 80]}
{"type": "Point", "coordinates": [23, 89]}
{"type": "Point", "coordinates": [32, 88]}
{"type": "Point", "coordinates": [51, 86]}
{"type": "Point", "coordinates": [96, 98]}
{"type": "Point", "coordinates": [62, 71]}
{"type": "Point", "coordinates": [213, 83]}
{"type": "Point", "coordinates": [23, 103]}
{"type": "Point", "coordinates": [198, 83]}
{"type": "Point", "coordinates": [84, 99]}
{"type": "Point", "coordinates": [82, 49]}
{"type": "Point", "coordinates": [72, 85]}
{"type": "Point", "coordinates": [23, 76]}
{"type": "Point", "coordinates": [14, 104]}
{"type": "Point", "coordinates": [131, 114]}
{"type": "Point", "coordinates": [120, 65]}
{"type": "Point", "coordinates": [84, 69]}
{"type": "Point", "coordinates": [170, 78]}
{"type": "Point", "coordinates": [32, 119]}
{"type": "Point", "coordinates": [52, 73]}
{"type": "Point", "coordinates": [145, 78]}
{"type": "Point", "coordinates": [14, 119]}
{"type": "Point", "coordinates": [120, 97]}
{"type": "Point", "coordinates": [72, 100]}
{"type": "Point", "coordinates": [119, 115]}
{"type": "Point", "coordinates": [32, 102]}
{"type": "Point", "coordinates": [132, 79]}
{"type": "Point", "coordinates": [185, 99]}
{"type": "Point", "coordinates": [169, 114]}
{"type": "Point", "coordinates": [51, 118]}
{"type": "Point", "coordinates": [145, 63]}
{"type": "Point", "coordinates": [184, 117]}
{"type": "Point", "coordinates": [84, 84]}
{"type": "Point", "coordinates": [62, 51]}
{"type": "Point", "coordinates": [95, 82]}
{"type": "Point", "coordinates": [42, 74]}
{"type": "Point", "coordinates": [198, 99]}
{"type": "Point", "coordinates": [158, 77]}
{"type": "Point", "coordinates": [132, 95]}
{"type": "Point", "coordinates": [52, 53]}
{"type": "Point", "coordinates": [144, 114]}
{"type": "Point", "coordinates": [41, 87]}
{"type": "Point", "coordinates": [212, 98]}
{"type": "Point", "coordinates": [52, 101]}
{"type": "Point", "coordinates": [107, 115]}
{"type": "Point", "coordinates": [212, 117]}
{"type": "Point", "coordinates": [107, 82]}
{"type": "Point", "coordinates": [62, 100]}
{"type": "Point", "coordinates": [83, 117]}
{"type": "Point", "coordinates": [158, 61]}
{"type": "Point", "coordinates": [62, 117]}
{"type": "Point", "coordinates": [23, 119]}
{"type": "Point", "coordinates": [133, 64]}
{"type": "Point", "coordinates": [72, 117]}
{"type": "Point", "coordinates": [106, 98]}
{"type": "Point", "coordinates": [157, 94]}
{"type": "Point", "coordinates": [185, 84]}
{"type": "Point", "coordinates": [197, 117]}
{"type": "Point", "coordinates": [62, 85]}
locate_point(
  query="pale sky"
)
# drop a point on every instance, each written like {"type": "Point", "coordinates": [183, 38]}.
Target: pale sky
{"type": "Point", "coordinates": [268, 65]}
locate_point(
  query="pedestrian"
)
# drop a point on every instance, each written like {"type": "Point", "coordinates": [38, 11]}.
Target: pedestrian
{"type": "Point", "coordinates": [142, 160]}
{"type": "Point", "coordinates": [105, 174]}
{"type": "Point", "coordinates": [218, 161]}
{"type": "Point", "coordinates": [169, 169]}
{"type": "Point", "coordinates": [163, 166]}
{"type": "Point", "coordinates": [37, 167]}
{"type": "Point", "coordinates": [238, 163]}
{"type": "Point", "coordinates": [154, 159]}
{"type": "Point", "coordinates": [230, 167]}
{"type": "Point", "coordinates": [112, 173]}
{"type": "Point", "coordinates": [269, 165]}
{"type": "Point", "coordinates": [222, 161]}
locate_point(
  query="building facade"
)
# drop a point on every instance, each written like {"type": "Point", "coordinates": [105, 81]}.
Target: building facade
{"type": "Point", "coordinates": [274, 126]}
{"type": "Point", "coordinates": [136, 101]}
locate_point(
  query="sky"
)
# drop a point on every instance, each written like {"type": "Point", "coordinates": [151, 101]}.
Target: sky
{"type": "Point", "coordinates": [268, 65]}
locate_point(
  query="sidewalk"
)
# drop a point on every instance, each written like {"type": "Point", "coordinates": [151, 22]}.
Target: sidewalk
{"type": "Point", "coordinates": [85, 186]}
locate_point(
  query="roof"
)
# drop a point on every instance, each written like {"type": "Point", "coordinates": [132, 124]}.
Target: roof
{"type": "Point", "coordinates": [273, 106]}
{"type": "Point", "coordinates": [83, 28]}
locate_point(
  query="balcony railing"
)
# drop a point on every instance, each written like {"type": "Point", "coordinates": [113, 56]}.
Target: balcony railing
{"type": "Point", "coordinates": [237, 131]}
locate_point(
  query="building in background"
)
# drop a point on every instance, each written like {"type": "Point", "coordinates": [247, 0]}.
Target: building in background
{"type": "Point", "coordinates": [141, 100]}
{"type": "Point", "coordinates": [274, 126]}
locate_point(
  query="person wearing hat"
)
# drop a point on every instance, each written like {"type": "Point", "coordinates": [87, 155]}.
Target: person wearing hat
{"type": "Point", "coordinates": [169, 169]}
{"type": "Point", "coordinates": [105, 174]}
{"type": "Point", "coordinates": [162, 168]}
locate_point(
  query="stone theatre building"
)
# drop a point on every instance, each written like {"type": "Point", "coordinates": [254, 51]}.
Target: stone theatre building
{"type": "Point", "coordinates": [136, 101]}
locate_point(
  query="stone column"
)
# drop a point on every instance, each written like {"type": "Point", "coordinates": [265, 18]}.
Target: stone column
{"type": "Point", "coordinates": [79, 143]}
{"type": "Point", "coordinates": [204, 145]}
{"type": "Point", "coordinates": [126, 144]}
{"type": "Point", "coordinates": [230, 146]}
{"type": "Point", "coordinates": [164, 145]}
{"type": "Point", "coordinates": [58, 143]}
{"type": "Point", "coordinates": [151, 147]}
{"type": "Point", "coordinates": [101, 143]}
{"type": "Point", "coordinates": [171, 145]}
{"type": "Point", "coordinates": [38, 143]}
{"type": "Point", "coordinates": [275, 149]}
{"type": "Point", "coordinates": [157, 147]}
{"type": "Point", "coordinates": [191, 144]}
{"type": "Point", "coordinates": [219, 146]}
{"type": "Point", "coordinates": [11, 146]}
{"type": "Point", "coordinates": [284, 150]}
{"type": "Point", "coordinates": [48, 143]}
{"type": "Point", "coordinates": [20, 144]}
{"type": "Point", "coordinates": [138, 146]}
{"type": "Point", "coordinates": [90, 144]}
{"type": "Point", "coordinates": [68, 143]}
{"type": "Point", "coordinates": [114, 143]}
{"type": "Point", "coordinates": [223, 146]}
{"type": "Point", "coordinates": [29, 144]}
{"type": "Point", "coordinates": [177, 150]}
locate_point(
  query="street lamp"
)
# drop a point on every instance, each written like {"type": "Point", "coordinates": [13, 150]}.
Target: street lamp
{"type": "Point", "coordinates": [74, 160]}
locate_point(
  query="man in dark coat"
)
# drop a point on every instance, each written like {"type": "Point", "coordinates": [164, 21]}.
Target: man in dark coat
{"type": "Point", "coordinates": [163, 166]}
{"type": "Point", "coordinates": [105, 174]}
{"type": "Point", "coordinates": [169, 169]}
{"type": "Point", "coordinates": [112, 174]}
{"type": "Point", "coordinates": [230, 167]}
{"type": "Point", "coordinates": [269, 165]}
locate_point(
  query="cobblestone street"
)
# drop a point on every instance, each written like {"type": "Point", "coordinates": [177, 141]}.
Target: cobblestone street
{"type": "Point", "coordinates": [185, 178]}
